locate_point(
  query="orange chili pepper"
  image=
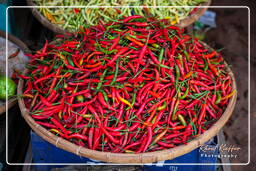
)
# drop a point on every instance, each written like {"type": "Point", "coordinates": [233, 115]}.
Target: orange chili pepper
{"type": "Point", "coordinates": [159, 136]}
{"type": "Point", "coordinates": [28, 95]}
{"type": "Point", "coordinates": [229, 95]}
{"type": "Point", "coordinates": [125, 101]}
{"type": "Point", "coordinates": [50, 17]}
{"type": "Point", "coordinates": [154, 94]}
{"type": "Point", "coordinates": [210, 55]}
{"type": "Point", "coordinates": [93, 53]}
{"type": "Point", "coordinates": [188, 75]}
{"type": "Point", "coordinates": [93, 65]}
{"type": "Point", "coordinates": [178, 127]}
{"type": "Point", "coordinates": [134, 41]}
{"type": "Point", "coordinates": [214, 70]}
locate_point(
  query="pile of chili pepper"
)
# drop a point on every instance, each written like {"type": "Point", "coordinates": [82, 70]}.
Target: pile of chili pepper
{"type": "Point", "coordinates": [73, 18]}
{"type": "Point", "coordinates": [133, 86]}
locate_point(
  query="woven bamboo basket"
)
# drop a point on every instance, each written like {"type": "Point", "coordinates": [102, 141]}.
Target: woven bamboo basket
{"type": "Point", "coordinates": [24, 48]}
{"type": "Point", "coordinates": [140, 158]}
{"type": "Point", "coordinates": [57, 29]}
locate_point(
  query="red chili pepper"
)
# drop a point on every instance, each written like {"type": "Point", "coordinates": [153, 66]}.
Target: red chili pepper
{"type": "Point", "coordinates": [78, 136]}
{"type": "Point", "coordinates": [84, 103]}
{"type": "Point", "coordinates": [115, 43]}
{"type": "Point", "coordinates": [103, 102]}
{"type": "Point", "coordinates": [90, 138]}
{"type": "Point", "coordinates": [211, 55]}
{"type": "Point", "coordinates": [214, 70]}
{"type": "Point", "coordinates": [123, 50]}
{"type": "Point", "coordinates": [61, 127]}
{"type": "Point", "coordinates": [24, 77]}
{"type": "Point", "coordinates": [44, 78]}
{"type": "Point", "coordinates": [46, 124]}
{"type": "Point", "coordinates": [44, 101]}
{"type": "Point", "coordinates": [127, 19]}
{"type": "Point", "coordinates": [149, 139]}
{"type": "Point", "coordinates": [202, 114]}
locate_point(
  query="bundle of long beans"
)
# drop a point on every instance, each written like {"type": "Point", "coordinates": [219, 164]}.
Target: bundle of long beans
{"type": "Point", "coordinates": [134, 85]}
{"type": "Point", "coordinates": [72, 18]}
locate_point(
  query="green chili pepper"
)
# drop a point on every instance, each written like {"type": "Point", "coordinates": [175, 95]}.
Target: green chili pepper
{"type": "Point", "coordinates": [80, 98]}
{"type": "Point", "coordinates": [70, 61]}
{"type": "Point", "coordinates": [108, 52]}
{"type": "Point", "coordinates": [116, 72]}
{"type": "Point", "coordinates": [164, 66]}
{"type": "Point", "coordinates": [101, 79]}
{"type": "Point", "coordinates": [215, 63]}
{"type": "Point", "coordinates": [104, 95]}
{"type": "Point", "coordinates": [185, 94]}
{"type": "Point", "coordinates": [152, 48]}
{"type": "Point", "coordinates": [194, 128]}
{"type": "Point", "coordinates": [218, 98]}
{"type": "Point", "coordinates": [131, 47]}
{"type": "Point", "coordinates": [205, 65]}
{"type": "Point", "coordinates": [182, 120]}
{"type": "Point", "coordinates": [177, 70]}
{"type": "Point", "coordinates": [113, 26]}
{"type": "Point", "coordinates": [162, 107]}
{"type": "Point", "coordinates": [161, 55]}
{"type": "Point", "coordinates": [187, 55]}
{"type": "Point", "coordinates": [133, 100]}
{"type": "Point", "coordinates": [105, 50]}
{"type": "Point", "coordinates": [155, 45]}
{"type": "Point", "coordinates": [65, 85]}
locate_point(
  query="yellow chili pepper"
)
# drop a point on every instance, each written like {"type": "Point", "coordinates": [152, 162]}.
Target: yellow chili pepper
{"type": "Point", "coordinates": [81, 61]}
{"type": "Point", "coordinates": [62, 57]}
{"type": "Point", "coordinates": [88, 11]}
{"type": "Point", "coordinates": [188, 75]}
{"type": "Point", "coordinates": [162, 107]}
{"type": "Point", "coordinates": [80, 98]}
{"type": "Point", "coordinates": [129, 151]}
{"type": "Point", "coordinates": [34, 99]}
{"type": "Point", "coordinates": [153, 120]}
{"type": "Point", "coordinates": [28, 95]}
{"type": "Point", "coordinates": [86, 115]}
{"type": "Point", "coordinates": [125, 101]}
{"type": "Point", "coordinates": [159, 136]}
{"type": "Point", "coordinates": [60, 114]}
{"type": "Point", "coordinates": [182, 120]}
{"type": "Point", "coordinates": [50, 17]}
{"type": "Point", "coordinates": [173, 22]}
{"type": "Point", "coordinates": [55, 130]}
{"type": "Point", "coordinates": [177, 18]}
{"type": "Point", "coordinates": [229, 95]}
{"type": "Point", "coordinates": [174, 116]}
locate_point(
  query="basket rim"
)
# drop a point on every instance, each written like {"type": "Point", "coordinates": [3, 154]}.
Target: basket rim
{"type": "Point", "coordinates": [185, 22]}
{"type": "Point", "coordinates": [25, 49]}
{"type": "Point", "coordinates": [140, 158]}
{"type": "Point", "coordinates": [16, 41]}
